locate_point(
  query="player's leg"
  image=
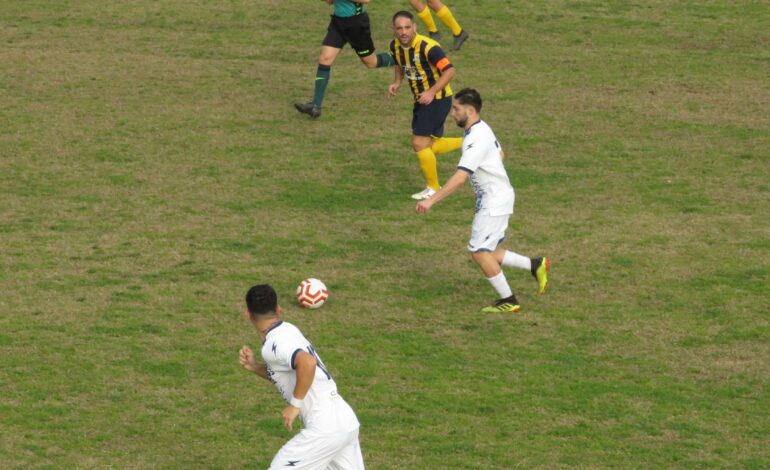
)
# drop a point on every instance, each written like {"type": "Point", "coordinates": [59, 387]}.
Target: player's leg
{"type": "Point", "coordinates": [537, 266]}
{"type": "Point", "coordinates": [423, 13]}
{"type": "Point", "coordinates": [445, 15]}
{"type": "Point", "coordinates": [446, 144]}
{"type": "Point", "coordinates": [330, 48]}
{"type": "Point", "coordinates": [487, 232]}
{"type": "Point", "coordinates": [307, 450]}
{"type": "Point", "coordinates": [382, 59]}
{"type": "Point", "coordinates": [323, 74]}
{"type": "Point", "coordinates": [357, 31]}
{"type": "Point", "coordinates": [510, 259]}
{"type": "Point", "coordinates": [422, 147]}
{"type": "Point", "coordinates": [350, 457]}
{"type": "Point", "coordinates": [428, 126]}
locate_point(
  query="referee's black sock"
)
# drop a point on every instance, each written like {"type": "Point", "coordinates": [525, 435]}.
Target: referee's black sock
{"type": "Point", "coordinates": [385, 59]}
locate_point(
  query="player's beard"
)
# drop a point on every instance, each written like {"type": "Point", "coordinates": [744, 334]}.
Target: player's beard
{"type": "Point", "coordinates": [462, 120]}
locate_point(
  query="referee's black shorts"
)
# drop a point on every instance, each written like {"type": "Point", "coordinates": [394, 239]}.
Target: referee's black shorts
{"type": "Point", "coordinates": [352, 29]}
{"type": "Point", "coordinates": [428, 119]}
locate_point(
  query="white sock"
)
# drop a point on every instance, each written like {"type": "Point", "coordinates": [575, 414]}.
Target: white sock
{"type": "Point", "coordinates": [501, 285]}
{"type": "Point", "coordinates": [515, 260]}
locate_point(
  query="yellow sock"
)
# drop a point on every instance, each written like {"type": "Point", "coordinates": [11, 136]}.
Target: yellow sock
{"type": "Point", "coordinates": [427, 18]}
{"type": "Point", "coordinates": [428, 166]}
{"type": "Point", "coordinates": [446, 144]}
{"type": "Point", "coordinates": [448, 19]}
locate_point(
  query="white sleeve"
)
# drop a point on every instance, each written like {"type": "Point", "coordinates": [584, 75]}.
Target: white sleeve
{"type": "Point", "coordinates": [473, 155]}
{"type": "Point", "coordinates": [286, 348]}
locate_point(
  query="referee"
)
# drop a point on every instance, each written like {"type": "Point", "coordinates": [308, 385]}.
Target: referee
{"type": "Point", "coordinates": [428, 70]}
{"type": "Point", "coordinates": [349, 24]}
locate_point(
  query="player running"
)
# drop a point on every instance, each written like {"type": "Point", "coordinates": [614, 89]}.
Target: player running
{"type": "Point", "coordinates": [330, 436]}
{"type": "Point", "coordinates": [482, 162]}
{"type": "Point", "coordinates": [349, 24]}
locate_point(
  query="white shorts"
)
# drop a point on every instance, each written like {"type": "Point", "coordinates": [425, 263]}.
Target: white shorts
{"type": "Point", "coordinates": [314, 450]}
{"type": "Point", "coordinates": [487, 231]}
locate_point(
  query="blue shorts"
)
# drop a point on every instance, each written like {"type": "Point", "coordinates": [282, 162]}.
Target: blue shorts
{"type": "Point", "coordinates": [428, 120]}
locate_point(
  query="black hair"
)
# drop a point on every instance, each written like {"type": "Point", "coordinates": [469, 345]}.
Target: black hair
{"type": "Point", "coordinates": [469, 97]}
{"type": "Point", "coordinates": [404, 14]}
{"type": "Point", "coordinates": [261, 299]}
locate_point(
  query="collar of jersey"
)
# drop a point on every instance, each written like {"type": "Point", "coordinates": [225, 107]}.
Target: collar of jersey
{"type": "Point", "coordinates": [273, 326]}
{"type": "Point", "coordinates": [469, 129]}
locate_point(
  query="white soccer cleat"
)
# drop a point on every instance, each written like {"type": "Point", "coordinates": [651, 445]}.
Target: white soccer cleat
{"type": "Point", "coordinates": [424, 194]}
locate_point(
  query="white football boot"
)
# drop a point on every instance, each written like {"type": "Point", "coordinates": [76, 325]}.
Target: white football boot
{"type": "Point", "coordinates": [424, 194]}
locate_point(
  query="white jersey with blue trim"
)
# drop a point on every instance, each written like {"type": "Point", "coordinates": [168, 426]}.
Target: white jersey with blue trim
{"type": "Point", "coordinates": [323, 407]}
{"type": "Point", "coordinates": [481, 159]}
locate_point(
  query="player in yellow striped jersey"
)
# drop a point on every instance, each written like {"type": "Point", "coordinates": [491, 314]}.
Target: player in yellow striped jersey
{"type": "Point", "coordinates": [445, 15]}
{"type": "Point", "coordinates": [428, 70]}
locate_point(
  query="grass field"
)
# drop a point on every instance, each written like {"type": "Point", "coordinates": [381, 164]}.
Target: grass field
{"type": "Point", "coordinates": [152, 168]}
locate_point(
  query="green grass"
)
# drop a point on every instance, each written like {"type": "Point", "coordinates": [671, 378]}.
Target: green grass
{"type": "Point", "coordinates": [152, 168]}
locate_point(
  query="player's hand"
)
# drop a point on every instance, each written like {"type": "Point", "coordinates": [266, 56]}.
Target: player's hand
{"type": "Point", "coordinates": [426, 97]}
{"type": "Point", "coordinates": [248, 360]}
{"type": "Point", "coordinates": [423, 206]}
{"type": "Point", "coordinates": [393, 89]}
{"type": "Point", "coordinates": [289, 414]}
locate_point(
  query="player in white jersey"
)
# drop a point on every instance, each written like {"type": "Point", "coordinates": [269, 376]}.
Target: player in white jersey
{"type": "Point", "coordinates": [329, 440]}
{"type": "Point", "coordinates": [482, 163]}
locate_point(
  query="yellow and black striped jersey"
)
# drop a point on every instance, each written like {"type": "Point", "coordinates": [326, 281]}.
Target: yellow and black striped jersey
{"type": "Point", "coordinates": [423, 62]}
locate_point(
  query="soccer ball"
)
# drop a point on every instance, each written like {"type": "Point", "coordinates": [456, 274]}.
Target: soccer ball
{"type": "Point", "coordinates": [312, 293]}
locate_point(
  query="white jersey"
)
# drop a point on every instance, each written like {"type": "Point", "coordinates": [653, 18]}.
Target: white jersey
{"type": "Point", "coordinates": [481, 159]}
{"type": "Point", "coordinates": [323, 407]}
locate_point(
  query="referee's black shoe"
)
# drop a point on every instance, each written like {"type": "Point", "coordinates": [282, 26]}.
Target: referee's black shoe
{"type": "Point", "coordinates": [459, 40]}
{"type": "Point", "coordinates": [310, 109]}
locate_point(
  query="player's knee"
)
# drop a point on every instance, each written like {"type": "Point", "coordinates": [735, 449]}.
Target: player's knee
{"type": "Point", "coordinates": [435, 5]}
{"type": "Point", "coordinates": [326, 59]}
{"type": "Point", "coordinates": [420, 143]}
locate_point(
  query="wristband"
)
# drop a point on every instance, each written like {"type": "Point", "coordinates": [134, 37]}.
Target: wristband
{"type": "Point", "coordinates": [296, 402]}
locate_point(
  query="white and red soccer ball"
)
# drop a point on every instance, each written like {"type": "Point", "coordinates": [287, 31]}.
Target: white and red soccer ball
{"type": "Point", "coordinates": [312, 293]}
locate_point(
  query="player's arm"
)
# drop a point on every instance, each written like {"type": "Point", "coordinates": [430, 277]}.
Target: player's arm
{"type": "Point", "coordinates": [305, 365]}
{"type": "Point", "coordinates": [393, 88]}
{"type": "Point", "coordinates": [249, 362]}
{"type": "Point", "coordinates": [443, 81]}
{"type": "Point", "coordinates": [457, 180]}
{"type": "Point", "coordinates": [441, 62]}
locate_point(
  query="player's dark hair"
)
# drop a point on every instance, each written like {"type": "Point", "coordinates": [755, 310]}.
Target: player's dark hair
{"type": "Point", "coordinates": [261, 299]}
{"type": "Point", "coordinates": [403, 14]}
{"type": "Point", "coordinates": [469, 97]}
